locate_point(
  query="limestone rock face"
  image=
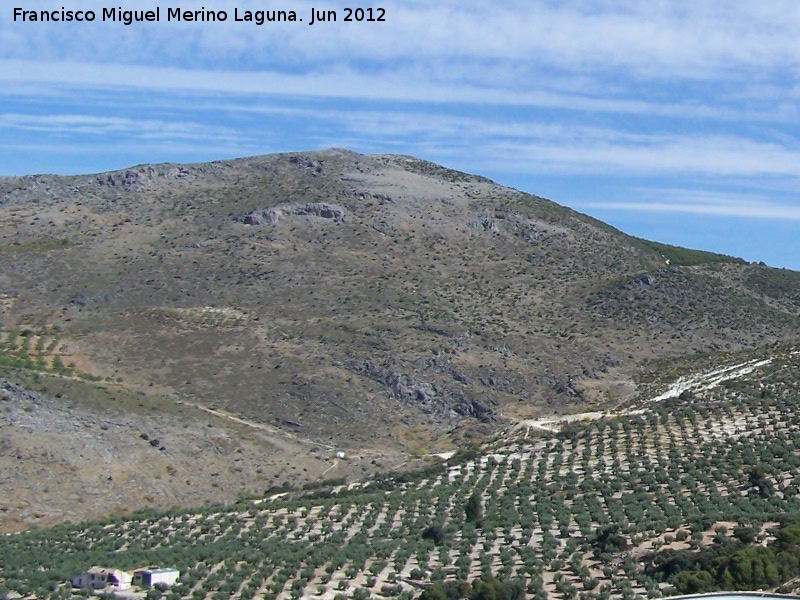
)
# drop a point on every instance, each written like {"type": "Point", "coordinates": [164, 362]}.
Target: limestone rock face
{"type": "Point", "coordinates": [271, 216]}
{"type": "Point", "coordinates": [427, 396]}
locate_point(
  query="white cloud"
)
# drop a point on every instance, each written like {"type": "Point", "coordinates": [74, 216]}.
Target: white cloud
{"type": "Point", "coordinates": [673, 60]}
{"type": "Point", "coordinates": [667, 154]}
{"type": "Point", "coordinates": [646, 40]}
{"type": "Point", "coordinates": [758, 211]}
{"type": "Point", "coordinates": [702, 202]}
{"type": "Point", "coordinates": [77, 124]}
{"type": "Point", "coordinates": [399, 85]}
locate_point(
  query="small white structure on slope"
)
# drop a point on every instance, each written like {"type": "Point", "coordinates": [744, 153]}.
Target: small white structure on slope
{"type": "Point", "coordinates": [98, 578]}
{"type": "Point", "coordinates": [152, 576]}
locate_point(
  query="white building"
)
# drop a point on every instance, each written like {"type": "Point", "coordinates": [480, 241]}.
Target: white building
{"type": "Point", "coordinates": [152, 576]}
{"type": "Point", "coordinates": [98, 578]}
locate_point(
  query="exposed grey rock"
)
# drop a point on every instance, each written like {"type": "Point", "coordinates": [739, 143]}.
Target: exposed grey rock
{"type": "Point", "coordinates": [424, 395]}
{"type": "Point", "coordinates": [271, 216]}
{"type": "Point", "coordinates": [267, 216]}
{"type": "Point", "coordinates": [473, 408]}
{"type": "Point", "coordinates": [647, 280]}
{"type": "Point", "coordinates": [487, 223]}
{"type": "Point", "coordinates": [460, 377]}
{"type": "Point", "coordinates": [81, 300]}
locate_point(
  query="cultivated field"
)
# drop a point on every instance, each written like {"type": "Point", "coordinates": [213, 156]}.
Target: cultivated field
{"type": "Point", "coordinates": [686, 471]}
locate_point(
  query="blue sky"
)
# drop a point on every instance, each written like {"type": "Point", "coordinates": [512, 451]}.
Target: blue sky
{"type": "Point", "coordinates": [675, 121]}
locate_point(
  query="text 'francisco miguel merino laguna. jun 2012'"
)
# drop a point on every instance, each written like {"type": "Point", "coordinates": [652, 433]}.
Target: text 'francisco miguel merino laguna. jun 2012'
{"type": "Point", "coordinates": [177, 14]}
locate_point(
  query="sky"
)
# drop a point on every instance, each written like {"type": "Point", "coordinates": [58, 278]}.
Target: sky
{"type": "Point", "coordinates": [671, 120]}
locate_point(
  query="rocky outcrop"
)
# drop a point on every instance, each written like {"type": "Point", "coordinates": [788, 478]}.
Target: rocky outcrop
{"type": "Point", "coordinates": [428, 397]}
{"type": "Point", "coordinates": [271, 216]}
{"type": "Point", "coordinates": [10, 392]}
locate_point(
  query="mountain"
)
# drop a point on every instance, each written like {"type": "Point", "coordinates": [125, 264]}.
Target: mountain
{"type": "Point", "coordinates": [381, 305]}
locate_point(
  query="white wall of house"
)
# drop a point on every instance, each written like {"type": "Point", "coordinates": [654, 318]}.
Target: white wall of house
{"type": "Point", "coordinates": [155, 576]}
{"type": "Point", "coordinates": [167, 577]}
{"type": "Point", "coordinates": [99, 579]}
